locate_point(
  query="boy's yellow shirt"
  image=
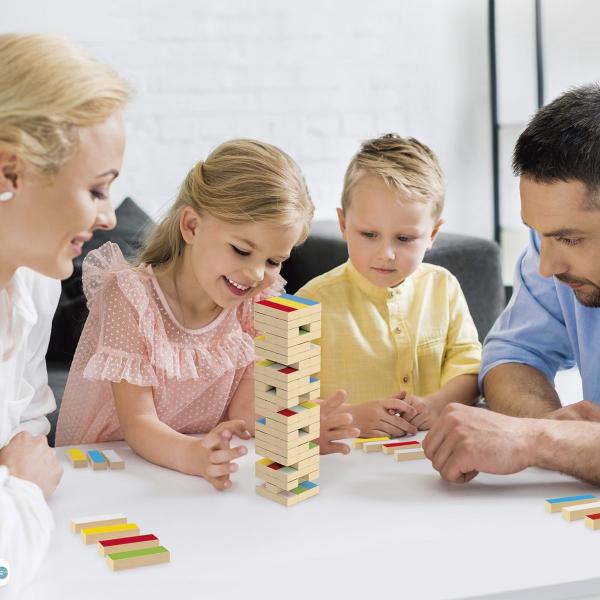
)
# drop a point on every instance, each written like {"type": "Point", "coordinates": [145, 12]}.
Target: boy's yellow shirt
{"type": "Point", "coordinates": [376, 341]}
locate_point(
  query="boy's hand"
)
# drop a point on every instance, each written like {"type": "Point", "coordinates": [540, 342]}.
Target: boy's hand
{"type": "Point", "coordinates": [214, 453]}
{"type": "Point", "coordinates": [335, 425]}
{"type": "Point", "coordinates": [390, 416]}
{"type": "Point", "coordinates": [427, 411]}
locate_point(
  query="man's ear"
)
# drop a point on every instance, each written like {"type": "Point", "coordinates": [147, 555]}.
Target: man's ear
{"type": "Point", "coordinates": [189, 222]}
{"type": "Point", "coordinates": [434, 232]}
{"type": "Point", "coordinates": [342, 221]}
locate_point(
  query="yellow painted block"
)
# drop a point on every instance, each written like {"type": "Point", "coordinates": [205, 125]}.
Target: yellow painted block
{"type": "Point", "coordinates": [78, 458]}
{"type": "Point", "coordinates": [92, 535]}
{"type": "Point", "coordinates": [358, 442]}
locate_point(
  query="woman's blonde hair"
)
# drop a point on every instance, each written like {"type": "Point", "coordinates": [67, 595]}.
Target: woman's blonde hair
{"type": "Point", "coordinates": [241, 181]}
{"type": "Point", "coordinates": [405, 164]}
{"type": "Point", "coordinates": [49, 87]}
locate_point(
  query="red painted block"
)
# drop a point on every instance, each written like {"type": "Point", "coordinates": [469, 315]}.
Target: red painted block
{"type": "Point", "coordinates": [399, 444]}
{"type": "Point", "coordinates": [287, 370]}
{"type": "Point", "coordinates": [286, 413]}
{"type": "Point", "coordinates": [275, 466]}
{"type": "Point", "coordinates": [281, 307]}
{"type": "Point", "coordinates": [128, 540]}
{"type": "Point", "coordinates": [594, 517]}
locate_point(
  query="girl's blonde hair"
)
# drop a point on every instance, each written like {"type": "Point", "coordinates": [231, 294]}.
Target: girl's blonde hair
{"type": "Point", "coordinates": [48, 88]}
{"type": "Point", "coordinates": [241, 181]}
{"type": "Point", "coordinates": [405, 164]}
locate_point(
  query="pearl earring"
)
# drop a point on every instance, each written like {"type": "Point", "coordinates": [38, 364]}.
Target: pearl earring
{"type": "Point", "coordinates": [6, 196]}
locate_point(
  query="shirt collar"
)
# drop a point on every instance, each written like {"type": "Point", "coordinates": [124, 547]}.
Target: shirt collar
{"type": "Point", "coordinates": [376, 292]}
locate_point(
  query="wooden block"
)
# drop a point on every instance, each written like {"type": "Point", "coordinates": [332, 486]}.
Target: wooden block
{"type": "Point", "coordinates": [306, 323]}
{"type": "Point", "coordinates": [313, 386]}
{"type": "Point", "coordinates": [98, 462]}
{"type": "Point", "coordinates": [285, 309]}
{"type": "Point", "coordinates": [294, 400]}
{"type": "Point", "coordinates": [138, 558]}
{"type": "Point", "coordinates": [97, 521]}
{"type": "Point", "coordinates": [409, 454]}
{"type": "Point", "coordinates": [313, 460]}
{"type": "Point", "coordinates": [266, 440]}
{"type": "Point", "coordinates": [273, 445]}
{"type": "Point", "coordinates": [77, 458]}
{"type": "Point", "coordinates": [287, 483]}
{"type": "Point", "coordinates": [390, 448]}
{"type": "Point", "coordinates": [285, 428]}
{"type": "Point", "coordinates": [573, 513]}
{"type": "Point", "coordinates": [114, 460]}
{"type": "Point", "coordinates": [292, 459]}
{"type": "Point", "coordinates": [553, 505]}
{"type": "Point", "coordinates": [303, 492]}
{"type": "Point", "coordinates": [306, 333]}
{"type": "Point", "coordinates": [91, 535]}
{"type": "Point", "coordinates": [281, 345]}
{"type": "Point", "coordinates": [593, 521]}
{"type": "Point", "coordinates": [292, 418]}
{"type": "Point", "coordinates": [313, 428]}
{"type": "Point", "coordinates": [373, 446]}
{"type": "Point", "coordinates": [272, 487]}
{"type": "Point", "coordinates": [267, 370]}
{"type": "Point", "coordinates": [358, 442]}
{"type": "Point", "coordinates": [282, 475]}
{"type": "Point", "coordinates": [290, 357]}
{"type": "Point", "coordinates": [125, 544]}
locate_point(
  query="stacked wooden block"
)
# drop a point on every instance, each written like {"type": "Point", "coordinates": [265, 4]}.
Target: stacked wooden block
{"type": "Point", "coordinates": [285, 387]}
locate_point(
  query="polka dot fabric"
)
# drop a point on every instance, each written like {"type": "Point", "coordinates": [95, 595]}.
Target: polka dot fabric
{"type": "Point", "coordinates": [131, 335]}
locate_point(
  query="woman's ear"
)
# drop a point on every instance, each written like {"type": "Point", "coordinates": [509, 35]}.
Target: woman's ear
{"type": "Point", "coordinates": [10, 175]}
{"type": "Point", "coordinates": [189, 222]}
{"type": "Point", "coordinates": [342, 221]}
{"type": "Point", "coordinates": [434, 232]}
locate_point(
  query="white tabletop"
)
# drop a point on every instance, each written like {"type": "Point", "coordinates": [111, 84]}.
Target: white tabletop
{"type": "Point", "coordinates": [378, 528]}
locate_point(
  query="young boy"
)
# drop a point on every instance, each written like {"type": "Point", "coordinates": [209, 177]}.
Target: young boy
{"type": "Point", "coordinates": [396, 332]}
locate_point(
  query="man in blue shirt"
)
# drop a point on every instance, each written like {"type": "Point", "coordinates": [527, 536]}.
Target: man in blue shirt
{"type": "Point", "coordinates": [551, 322]}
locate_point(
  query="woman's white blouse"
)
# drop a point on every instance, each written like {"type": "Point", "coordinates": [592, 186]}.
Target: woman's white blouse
{"type": "Point", "coordinates": [26, 309]}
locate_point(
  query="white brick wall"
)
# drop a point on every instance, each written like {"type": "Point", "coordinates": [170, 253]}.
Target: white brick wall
{"type": "Point", "coordinates": [315, 77]}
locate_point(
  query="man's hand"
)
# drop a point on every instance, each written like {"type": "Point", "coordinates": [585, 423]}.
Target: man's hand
{"type": "Point", "coordinates": [580, 411]}
{"type": "Point", "coordinates": [466, 440]}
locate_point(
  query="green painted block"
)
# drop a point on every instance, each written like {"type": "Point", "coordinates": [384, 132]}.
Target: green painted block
{"type": "Point", "coordinates": [312, 445]}
{"type": "Point", "coordinates": [141, 552]}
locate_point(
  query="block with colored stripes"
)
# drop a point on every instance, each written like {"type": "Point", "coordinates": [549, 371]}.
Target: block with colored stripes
{"type": "Point", "coordinates": [138, 558]}
{"type": "Point", "coordinates": [286, 477]}
{"type": "Point", "coordinates": [358, 442]}
{"type": "Point", "coordinates": [77, 458]}
{"type": "Point", "coordinates": [304, 491]}
{"type": "Point", "coordinates": [90, 535]}
{"type": "Point", "coordinates": [288, 308]}
{"type": "Point", "coordinates": [391, 447]}
{"type": "Point", "coordinates": [289, 458]}
{"type": "Point", "coordinates": [96, 460]}
{"type": "Point", "coordinates": [556, 504]}
{"type": "Point", "coordinates": [135, 542]}
{"type": "Point", "coordinates": [593, 521]}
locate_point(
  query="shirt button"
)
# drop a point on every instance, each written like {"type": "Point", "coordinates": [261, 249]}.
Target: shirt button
{"type": "Point", "coordinates": [405, 379]}
{"type": "Point", "coordinates": [398, 330]}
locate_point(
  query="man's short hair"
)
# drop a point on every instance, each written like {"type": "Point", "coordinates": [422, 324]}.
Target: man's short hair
{"type": "Point", "coordinates": [562, 142]}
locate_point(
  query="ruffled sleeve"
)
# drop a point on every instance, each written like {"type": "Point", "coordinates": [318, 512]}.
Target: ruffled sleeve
{"type": "Point", "coordinates": [246, 310]}
{"type": "Point", "coordinates": [119, 299]}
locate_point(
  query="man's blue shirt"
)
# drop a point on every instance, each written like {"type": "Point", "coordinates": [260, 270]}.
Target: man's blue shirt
{"type": "Point", "coordinates": [546, 327]}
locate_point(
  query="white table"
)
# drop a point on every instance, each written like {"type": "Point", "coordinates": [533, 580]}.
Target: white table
{"type": "Point", "coordinates": [378, 528]}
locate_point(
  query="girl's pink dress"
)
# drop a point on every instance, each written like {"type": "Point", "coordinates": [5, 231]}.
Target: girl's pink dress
{"type": "Point", "coordinates": [132, 335]}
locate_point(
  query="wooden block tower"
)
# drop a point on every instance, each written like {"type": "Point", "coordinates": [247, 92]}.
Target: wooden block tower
{"type": "Point", "coordinates": [285, 387]}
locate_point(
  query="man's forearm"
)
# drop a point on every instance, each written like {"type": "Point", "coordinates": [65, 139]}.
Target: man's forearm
{"type": "Point", "coordinates": [519, 390]}
{"type": "Point", "coordinates": [571, 447]}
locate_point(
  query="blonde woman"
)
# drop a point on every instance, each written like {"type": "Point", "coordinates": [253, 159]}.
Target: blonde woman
{"type": "Point", "coordinates": [61, 146]}
{"type": "Point", "coordinates": [168, 346]}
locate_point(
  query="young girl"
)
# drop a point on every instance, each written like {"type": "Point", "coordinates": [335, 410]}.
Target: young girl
{"type": "Point", "coordinates": [168, 346]}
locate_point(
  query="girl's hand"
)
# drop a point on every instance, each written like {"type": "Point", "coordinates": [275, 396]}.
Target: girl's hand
{"type": "Point", "coordinates": [335, 425]}
{"type": "Point", "coordinates": [214, 454]}
{"type": "Point", "coordinates": [387, 417]}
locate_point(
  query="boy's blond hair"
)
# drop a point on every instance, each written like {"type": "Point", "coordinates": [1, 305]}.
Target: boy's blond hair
{"type": "Point", "coordinates": [405, 164]}
{"type": "Point", "coordinates": [49, 87]}
{"type": "Point", "coordinates": [241, 181]}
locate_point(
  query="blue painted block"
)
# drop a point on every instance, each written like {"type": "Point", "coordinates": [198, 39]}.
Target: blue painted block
{"type": "Point", "coordinates": [308, 485]}
{"type": "Point", "coordinates": [299, 299]}
{"type": "Point", "coordinates": [313, 379]}
{"type": "Point", "coordinates": [262, 421]}
{"type": "Point", "coordinates": [571, 498]}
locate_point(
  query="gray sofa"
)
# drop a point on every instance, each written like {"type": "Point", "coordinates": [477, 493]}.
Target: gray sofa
{"type": "Point", "coordinates": [474, 261]}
